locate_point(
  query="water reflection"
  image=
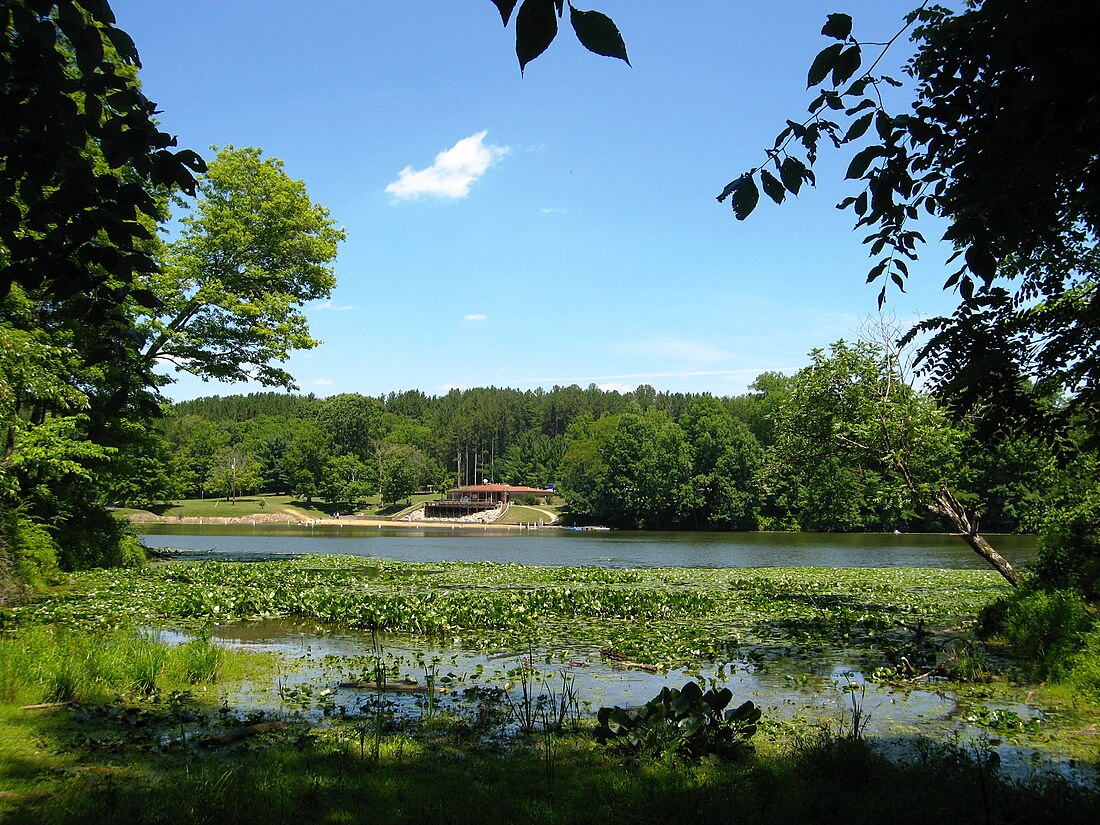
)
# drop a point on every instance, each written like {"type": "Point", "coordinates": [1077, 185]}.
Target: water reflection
{"type": "Point", "coordinates": [623, 549]}
{"type": "Point", "coordinates": [827, 692]}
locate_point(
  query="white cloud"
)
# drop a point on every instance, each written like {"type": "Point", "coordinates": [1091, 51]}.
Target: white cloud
{"type": "Point", "coordinates": [555, 210]}
{"type": "Point", "coordinates": [676, 348]}
{"type": "Point", "coordinates": [453, 172]}
{"type": "Point", "coordinates": [475, 316]}
{"type": "Point", "coordinates": [321, 382]}
{"type": "Point", "coordinates": [330, 305]}
{"type": "Point", "coordinates": [614, 386]}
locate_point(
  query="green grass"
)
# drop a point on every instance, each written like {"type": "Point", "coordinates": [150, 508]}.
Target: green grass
{"type": "Point", "coordinates": [63, 769]}
{"type": "Point", "coordinates": [520, 514]}
{"type": "Point", "coordinates": [52, 664]}
{"type": "Point", "coordinates": [292, 507]}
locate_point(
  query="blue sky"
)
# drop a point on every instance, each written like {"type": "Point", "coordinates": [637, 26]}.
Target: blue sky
{"type": "Point", "coordinates": [555, 228]}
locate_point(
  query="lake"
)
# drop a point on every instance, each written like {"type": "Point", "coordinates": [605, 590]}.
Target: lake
{"type": "Point", "coordinates": [557, 547]}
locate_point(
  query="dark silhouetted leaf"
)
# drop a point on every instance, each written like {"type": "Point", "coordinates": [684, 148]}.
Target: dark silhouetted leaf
{"type": "Point", "coordinates": [745, 197]}
{"type": "Point", "coordinates": [846, 64]}
{"type": "Point", "coordinates": [862, 160]}
{"type": "Point", "coordinates": [792, 172]}
{"type": "Point", "coordinates": [772, 187]}
{"type": "Point", "coordinates": [536, 28]}
{"type": "Point", "coordinates": [505, 8]}
{"type": "Point", "coordinates": [858, 128]}
{"type": "Point", "coordinates": [981, 262]}
{"type": "Point", "coordinates": [598, 33]}
{"type": "Point", "coordinates": [837, 26]}
{"type": "Point", "coordinates": [823, 64]}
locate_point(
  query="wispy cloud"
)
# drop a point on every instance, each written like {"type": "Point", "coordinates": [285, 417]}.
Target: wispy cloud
{"type": "Point", "coordinates": [555, 210]}
{"type": "Point", "coordinates": [675, 348]}
{"type": "Point", "coordinates": [475, 316]}
{"type": "Point", "coordinates": [331, 306]}
{"type": "Point", "coordinates": [453, 172]}
{"type": "Point", "coordinates": [321, 382]}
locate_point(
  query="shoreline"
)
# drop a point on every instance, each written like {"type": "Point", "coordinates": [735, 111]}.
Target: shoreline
{"type": "Point", "coordinates": [270, 519]}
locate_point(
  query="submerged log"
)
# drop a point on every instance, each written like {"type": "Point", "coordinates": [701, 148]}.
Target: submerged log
{"type": "Point", "coordinates": [393, 687]}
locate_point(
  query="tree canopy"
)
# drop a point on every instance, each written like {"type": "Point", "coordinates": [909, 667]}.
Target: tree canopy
{"type": "Point", "coordinates": [230, 288]}
{"type": "Point", "coordinates": [1001, 139]}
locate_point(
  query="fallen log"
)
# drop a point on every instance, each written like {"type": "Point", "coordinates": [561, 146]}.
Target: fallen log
{"type": "Point", "coordinates": [392, 687]}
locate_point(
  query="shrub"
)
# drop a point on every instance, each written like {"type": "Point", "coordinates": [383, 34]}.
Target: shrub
{"type": "Point", "coordinates": [1047, 627]}
{"type": "Point", "coordinates": [1069, 548]}
{"type": "Point", "coordinates": [97, 539]}
{"type": "Point", "coordinates": [687, 721]}
{"type": "Point", "coordinates": [30, 553]}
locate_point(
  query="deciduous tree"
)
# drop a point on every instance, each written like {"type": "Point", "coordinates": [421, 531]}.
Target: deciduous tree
{"type": "Point", "coordinates": [253, 250]}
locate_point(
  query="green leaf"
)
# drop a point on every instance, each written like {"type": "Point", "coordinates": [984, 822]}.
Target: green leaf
{"type": "Point", "coordinates": [505, 8]}
{"type": "Point", "coordinates": [536, 28]}
{"type": "Point", "coordinates": [772, 187]}
{"type": "Point", "coordinates": [837, 26]}
{"type": "Point", "coordinates": [598, 33]}
{"type": "Point", "coordinates": [823, 64]}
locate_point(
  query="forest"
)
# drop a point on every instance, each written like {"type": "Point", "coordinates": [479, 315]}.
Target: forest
{"type": "Point", "coordinates": [790, 454]}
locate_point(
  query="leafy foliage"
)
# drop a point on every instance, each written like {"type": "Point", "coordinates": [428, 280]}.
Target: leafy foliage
{"type": "Point", "coordinates": [1069, 548]}
{"type": "Point", "coordinates": [74, 222]}
{"type": "Point", "coordinates": [1000, 141]}
{"type": "Point", "coordinates": [686, 721]}
{"type": "Point", "coordinates": [230, 291]}
{"type": "Point", "coordinates": [537, 26]}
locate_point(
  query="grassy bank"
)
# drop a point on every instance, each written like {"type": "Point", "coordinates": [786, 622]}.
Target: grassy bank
{"type": "Point", "coordinates": [443, 772]}
{"type": "Point", "coordinates": [291, 508]}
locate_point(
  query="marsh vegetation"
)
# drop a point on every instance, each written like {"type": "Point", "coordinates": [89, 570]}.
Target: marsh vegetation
{"type": "Point", "coordinates": [448, 690]}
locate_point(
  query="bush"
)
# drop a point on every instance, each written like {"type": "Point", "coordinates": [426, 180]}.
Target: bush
{"type": "Point", "coordinates": [30, 553]}
{"type": "Point", "coordinates": [1069, 548]}
{"type": "Point", "coordinates": [95, 538]}
{"type": "Point", "coordinates": [1048, 628]}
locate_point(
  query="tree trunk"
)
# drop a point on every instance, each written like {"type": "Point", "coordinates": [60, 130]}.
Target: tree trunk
{"type": "Point", "coordinates": [945, 505]}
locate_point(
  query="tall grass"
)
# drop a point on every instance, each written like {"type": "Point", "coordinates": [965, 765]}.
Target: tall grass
{"type": "Point", "coordinates": [39, 665]}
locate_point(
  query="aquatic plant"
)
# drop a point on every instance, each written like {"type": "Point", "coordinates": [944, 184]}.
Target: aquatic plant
{"type": "Point", "coordinates": [688, 721]}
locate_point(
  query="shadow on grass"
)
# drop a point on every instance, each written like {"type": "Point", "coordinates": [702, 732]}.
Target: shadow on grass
{"type": "Point", "coordinates": [450, 773]}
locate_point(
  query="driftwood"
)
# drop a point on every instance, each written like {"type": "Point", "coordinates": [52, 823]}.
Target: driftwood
{"type": "Point", "coordinates": [392, 687]}
{"type": "Point", "coordinates": [620, 659]}
{"type": "Point", "coordinates": [231, 736]}
{"type": "Point", "coordinates": [45, 705]}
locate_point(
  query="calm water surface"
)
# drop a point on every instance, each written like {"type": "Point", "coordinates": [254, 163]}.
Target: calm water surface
{"type": "Point", "coordinates": [552, 547]}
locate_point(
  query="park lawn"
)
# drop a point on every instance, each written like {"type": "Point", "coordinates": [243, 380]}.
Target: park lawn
{"type": "Point", "coordinates": [293, 507]}
{"type": "Point", "coordinates": [520, 514]}
{"type": "Point", "coordinates": [253, 505]}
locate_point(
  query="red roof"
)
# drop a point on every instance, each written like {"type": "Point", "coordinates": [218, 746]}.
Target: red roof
{"type": "Point", "coordinates": [500, 488]}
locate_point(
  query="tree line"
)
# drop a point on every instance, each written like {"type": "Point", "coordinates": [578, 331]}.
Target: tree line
{"type": "Point", "coordinates": [845, 444]}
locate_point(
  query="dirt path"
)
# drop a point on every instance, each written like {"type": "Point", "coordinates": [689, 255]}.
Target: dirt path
{"type": "Point", "coordinates": [550, 517]}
